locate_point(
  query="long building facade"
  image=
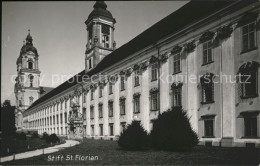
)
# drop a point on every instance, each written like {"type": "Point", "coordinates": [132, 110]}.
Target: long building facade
{"type": "Point", "coordinates": [204, 57]}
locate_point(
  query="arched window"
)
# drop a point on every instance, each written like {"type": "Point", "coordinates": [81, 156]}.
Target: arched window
{"type": "Point", "coordinates": [31, 100]}
{"type": "Point", "coordinates": [248, 80]}
{"type": "Point", "coordinates": [30, 64]}
{"type": "Point", "coordinates": [31, 80]}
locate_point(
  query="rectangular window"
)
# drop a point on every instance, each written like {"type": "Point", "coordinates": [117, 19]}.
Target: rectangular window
{"type": "Point", "coordinates": [207, 52]}
{"type": "Point", "coordinates": [137, 78]}
{"type": "Point", "coordinates": [110, 109]}
{"type": "Point", "coordinates": [100, 110]}
{"type": "Point", "coordinates": [209, 128]}
{"type": "Point", "coordinates": [105, 41]}
{"type": "Point", "coordinates": [176, 63]}
{"type": "Point", "coordinates": [65, 117]}
{"type": "Point", "coordinates": [90, 63]}
{"type": "Point", "coordinates": [122, 83]}
{"type": "Point", "coordinates": [101, 129]}
{"type": "Point", "coordinates": [250, 124]}
{"type": "Point", "coordinates": [249, 36]}
{"type": "Point", "coordinates": [92, 95]}
{"type": "Point", "coordinates": [57, 119]}
{"type": "Point", "coordinates": [207, 92]}
{"type": "Point", "coordinates": [110, 88]}
{"type": "Point", "coordinates": [84, 97]}
{"type": "Point", "coordinates": [137, 104]}
{"type": "Point", "coordinates": [84, 114]}
{"type": "Point", "coordinates": [92, 130]}
{"type": "Point", "coordinates": [154, 101]}
{"type": "Point", "coordinates": [53, 119]}
{"type": "Point", "coordinates": [111, 129]}
{"type": "Point", "coordinates": [176, 96]}
{"type": "Point", "coordinates": [100, 91]}
{"type": "Point", "coordinates": [122, 107]}
{"type": "Point", "coordinates": [154, 71]}
{"type": "Point", "coordinates": [92, 112]}
{"type": "Point", "coordinates": [61, 119]}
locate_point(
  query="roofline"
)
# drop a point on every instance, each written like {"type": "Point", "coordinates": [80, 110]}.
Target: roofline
{"type": "Point", "coordinates": [169, 37]}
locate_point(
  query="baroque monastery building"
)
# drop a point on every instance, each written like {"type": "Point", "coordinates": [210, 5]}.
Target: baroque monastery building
{"type": "Point", "coordinates": [189, 59]}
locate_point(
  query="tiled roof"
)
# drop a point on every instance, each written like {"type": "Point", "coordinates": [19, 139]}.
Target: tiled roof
{"type": "Point", "coordinates": [179, 19]}
{"type": "Point", "coordinates": [45, 90]}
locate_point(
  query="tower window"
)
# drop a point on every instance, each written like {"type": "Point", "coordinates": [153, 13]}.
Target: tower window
{"type": "Point", "coordinates": [105, 29]}
{"type": "Point", "coordinates": [30, 64]}
{"type": "Point", "coordinates": [31, 100]}
{"type": "Point", "coordinates": [105, 41]}
{"type": "Point", "coordinates": [31, 80]}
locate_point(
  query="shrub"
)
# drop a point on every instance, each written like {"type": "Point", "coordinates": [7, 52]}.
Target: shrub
{"type": "Point", "coordinates": [133, 138]}
{"type": "Point", "coordinates": [45, 136]}
{"type": "Point", "coordinates": [35, 135]}
{"type": "Point", "coordinates": [53, 139]}
{"type": "Point", "coordinates": [21, 136]}
{"type": "Point", "coordinates": [172, 131]}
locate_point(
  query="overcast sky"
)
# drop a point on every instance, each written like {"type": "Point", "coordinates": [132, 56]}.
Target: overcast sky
{"type": "Point", "coordinates": [59, 33]}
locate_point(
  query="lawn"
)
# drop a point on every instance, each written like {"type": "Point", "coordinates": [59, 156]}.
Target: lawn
{"type": "Point", "coordinates": [109, 153]}
{"type": "Point", "coordinates": [18, 146]}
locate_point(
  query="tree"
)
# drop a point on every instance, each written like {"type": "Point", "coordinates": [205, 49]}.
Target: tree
{"type": "Point", "coordinates": [134, 137]}
{"type": "Point", "coordinates": [172, 132]}
{"type": "Point", "coordinates": [8, 118]}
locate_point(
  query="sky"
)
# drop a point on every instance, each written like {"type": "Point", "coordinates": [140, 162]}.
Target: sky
{"type": "Point", "coordinates": [60, 36]}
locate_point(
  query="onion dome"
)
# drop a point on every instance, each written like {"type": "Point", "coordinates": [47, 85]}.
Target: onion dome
{"type": "Point", "coordinates": [100, 10]}
{"type": "Point", "coordinates": [27, 46]}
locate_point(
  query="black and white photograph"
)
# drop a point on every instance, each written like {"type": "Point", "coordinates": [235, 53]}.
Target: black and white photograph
{"type": "Point", "coordinates": [130, 82]}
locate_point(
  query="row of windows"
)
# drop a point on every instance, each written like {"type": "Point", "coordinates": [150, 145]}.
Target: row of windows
{"type": "Point", "coordinates": [248, 43]}
{"type": "Point", "coordinates": [250, 127]}
{"type": "Point", "coordinates": [249, 88]}
{"type": "Point", "coordinates": [110, 127]}
{"type": "Point", "coordinates": [49, 121]}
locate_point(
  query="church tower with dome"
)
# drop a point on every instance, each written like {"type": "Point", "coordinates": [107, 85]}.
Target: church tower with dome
{"type": "Point", "coordinates": [27, 88]}
{"type": "Point", "coordinates": [100, 40]}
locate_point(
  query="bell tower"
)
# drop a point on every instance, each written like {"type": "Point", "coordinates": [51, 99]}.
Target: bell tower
{"type": "Point", "coordinates": [100, 38]}
{"type": "Point", "coordinates": [27, 81]}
